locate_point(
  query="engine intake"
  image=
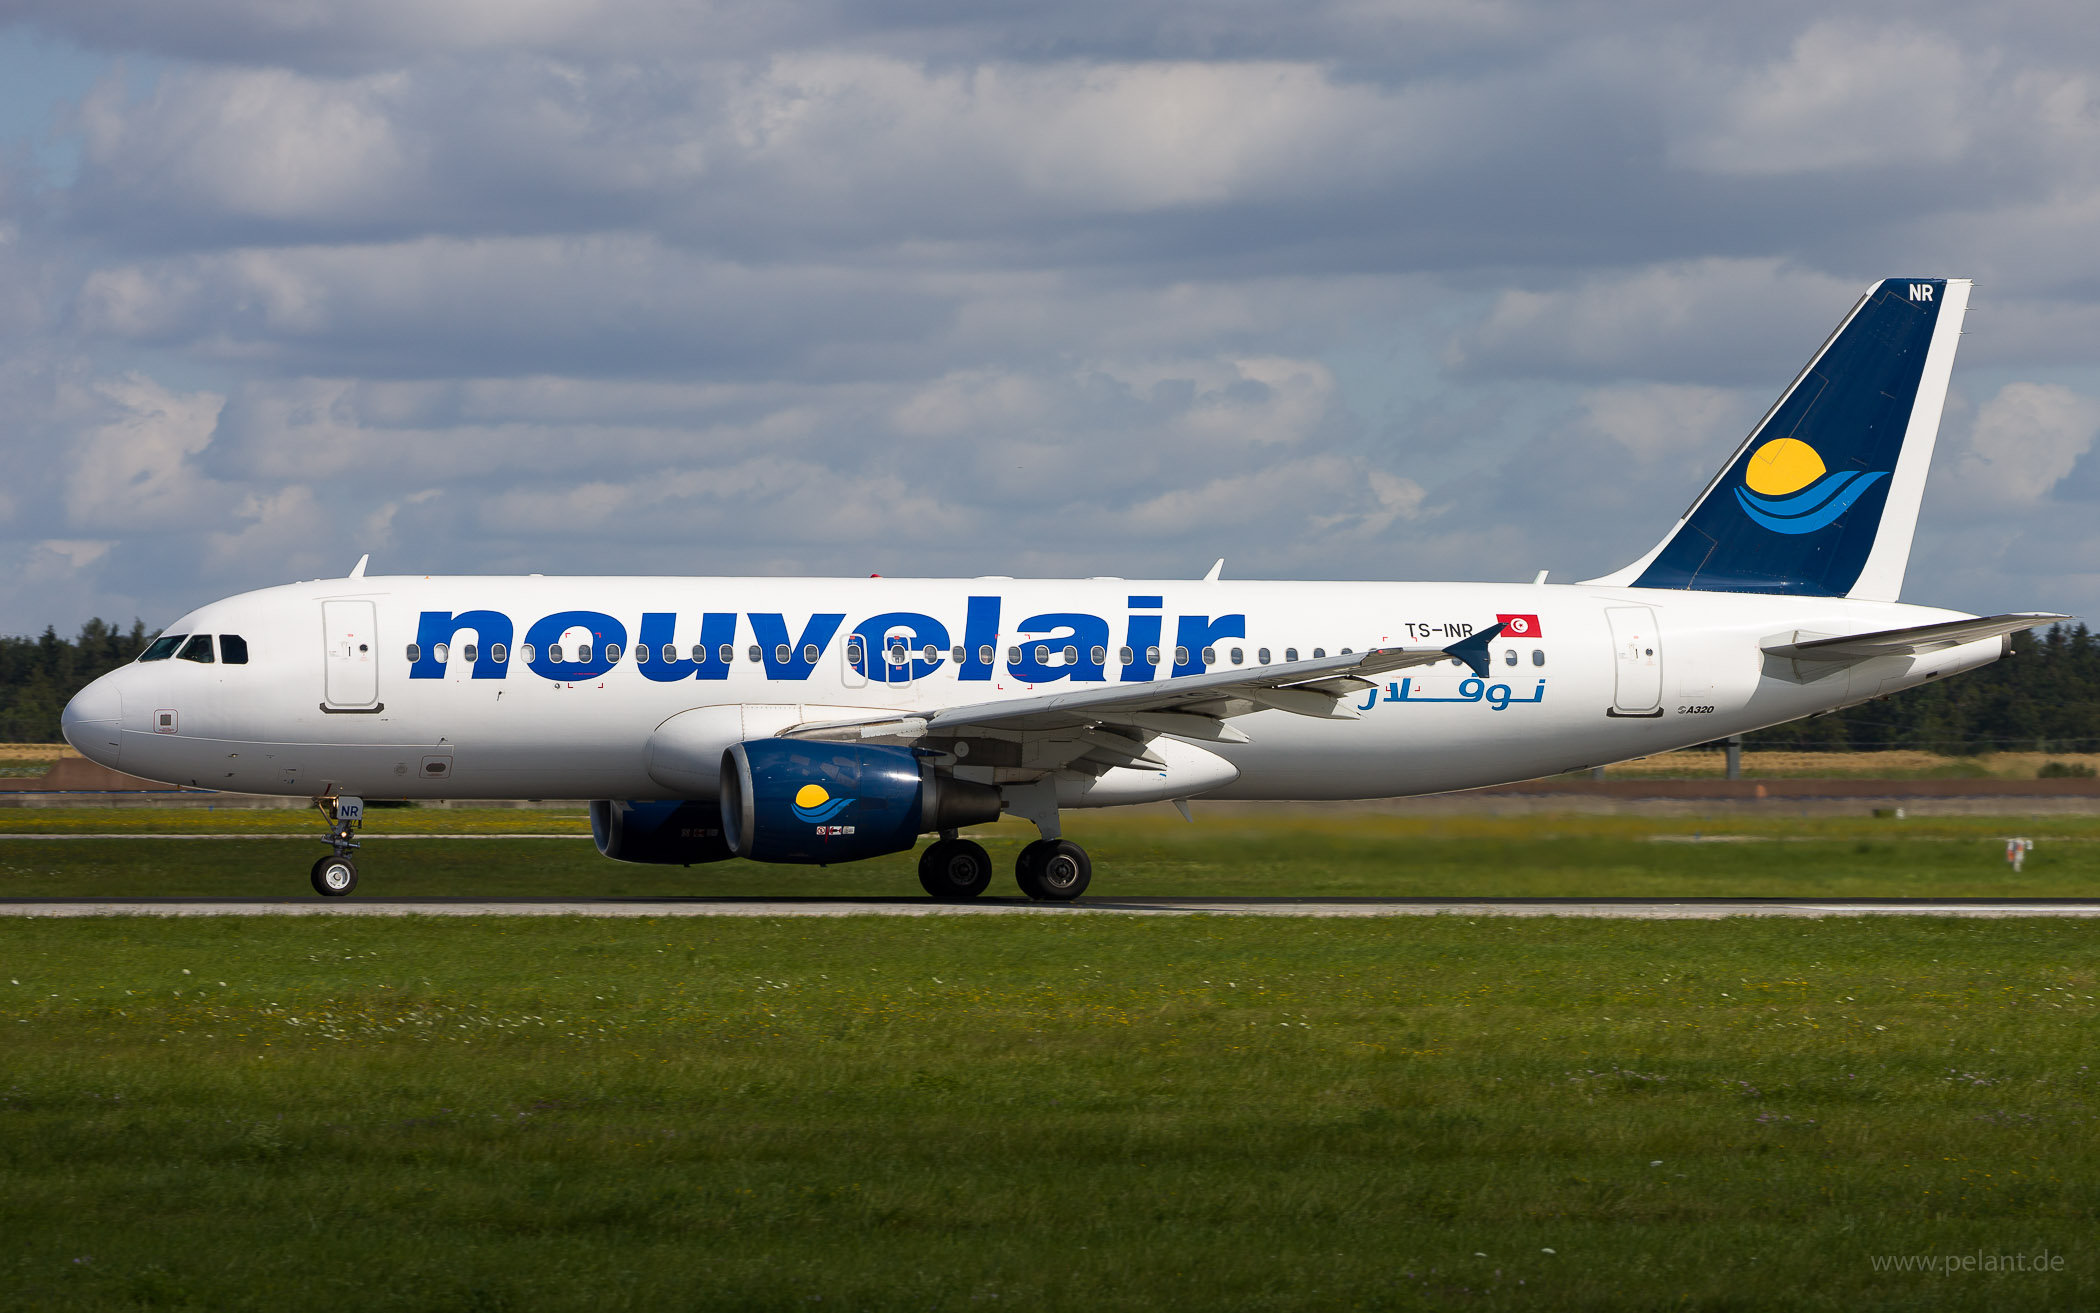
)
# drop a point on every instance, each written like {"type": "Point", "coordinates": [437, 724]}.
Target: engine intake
{"type": "Point", "coordinates": [667, 833]}
{"type": "Point", "coordinates": [796, 800]}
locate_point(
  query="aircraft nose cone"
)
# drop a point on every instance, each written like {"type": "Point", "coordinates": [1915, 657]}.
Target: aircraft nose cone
{"type": "Point", "coordinates": [91, 720]}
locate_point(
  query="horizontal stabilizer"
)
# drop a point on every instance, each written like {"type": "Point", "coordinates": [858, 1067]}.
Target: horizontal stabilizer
{"type": "Point", "coordinates": [1914, 641]}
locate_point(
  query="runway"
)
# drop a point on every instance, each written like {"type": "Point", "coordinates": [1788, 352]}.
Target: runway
{"type": "Point", "coordinates": [1624, 909]}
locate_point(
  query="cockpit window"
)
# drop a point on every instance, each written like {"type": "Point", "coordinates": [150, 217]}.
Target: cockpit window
{"type": "Point", "coordinates": [163, 647]}
{"type": "Point", "coordinates": [233, 649]}
{"type": "Point", "coordinates": [198, 649]}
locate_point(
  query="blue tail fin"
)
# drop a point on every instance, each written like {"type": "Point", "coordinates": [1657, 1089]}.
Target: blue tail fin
{"type": "Point", "coordinates": [1823, 497]}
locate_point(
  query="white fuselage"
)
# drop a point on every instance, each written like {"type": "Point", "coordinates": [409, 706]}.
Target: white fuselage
{"type": "Point", "coordinates": [329, 700]}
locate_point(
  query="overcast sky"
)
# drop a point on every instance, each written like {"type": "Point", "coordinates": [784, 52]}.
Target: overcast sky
{"type": "Point", "coordinates": [1407, 289]}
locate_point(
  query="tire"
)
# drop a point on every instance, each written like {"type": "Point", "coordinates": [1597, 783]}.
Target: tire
{"type": "Point", "coordinates": [334, 877]}
{"type": "Point", "coordinates": [1024, 870]}
{"type": "Point", "coordinates": [1062, 871]}
{"type": "Point", "coordinates": [955, 869]}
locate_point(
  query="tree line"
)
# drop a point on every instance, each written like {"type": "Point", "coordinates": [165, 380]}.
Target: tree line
{"type": "Point", "coordinates": [2045, 699]}
{"type": "Point", "coordinates": [38, 676]}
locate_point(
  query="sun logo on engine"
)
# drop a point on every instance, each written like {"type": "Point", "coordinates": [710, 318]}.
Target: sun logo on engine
{"type": "Point", "coordinates": [814, 803]}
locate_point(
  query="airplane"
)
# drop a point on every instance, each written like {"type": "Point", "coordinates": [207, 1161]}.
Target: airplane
{"type": "Point", "coordinates": [820, 721]}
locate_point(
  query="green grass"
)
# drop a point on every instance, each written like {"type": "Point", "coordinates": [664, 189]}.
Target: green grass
{"type": "Point", "coordinates": [1238, 852]}
{"type": "Point", "coordinates": [1097, 1113]}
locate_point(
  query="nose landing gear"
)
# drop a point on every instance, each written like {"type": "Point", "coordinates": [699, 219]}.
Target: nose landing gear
{"type": "Point", "coordinates": [335, 876]}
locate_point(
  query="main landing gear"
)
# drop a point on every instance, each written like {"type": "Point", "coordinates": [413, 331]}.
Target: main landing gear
{"type": "Point", "coordinates": [335, 876]}
{"type": "Point", "coordinates": [954, 869]}
{"type": "Point", "coordinates": [1053, 870]}
{"type": "Point", "coordinates": [1048, 870]}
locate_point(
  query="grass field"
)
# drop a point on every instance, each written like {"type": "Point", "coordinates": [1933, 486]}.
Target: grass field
{"type": "Point", "coordinates": [967, 1113]}
{"type": "Point", "coordinates": [1151, 851]}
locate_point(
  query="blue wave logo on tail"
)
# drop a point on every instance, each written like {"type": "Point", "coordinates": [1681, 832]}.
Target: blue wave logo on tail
{"type": "Point", "coordinates": [1787, 488]}
{"type": "Point", "coordinates": [813, 803]}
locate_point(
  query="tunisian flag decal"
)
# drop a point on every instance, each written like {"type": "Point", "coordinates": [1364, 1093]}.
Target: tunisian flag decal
{"type": "Point", "coordinates": [1519, 626]}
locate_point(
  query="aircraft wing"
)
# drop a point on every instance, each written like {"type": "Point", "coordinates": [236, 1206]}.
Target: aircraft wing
{"type": "Point", "coordinates": [1191, 706]}
{"type": "Point", "coordinates": [1914, 641]}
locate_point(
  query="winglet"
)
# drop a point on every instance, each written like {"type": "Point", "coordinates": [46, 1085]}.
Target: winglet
{"type": "Point", "coordinates": [1474, 651]}
{"type": "Point", "coordinates": [358, 571]}
{"type": "Point", "coordinates": [1215, 571]}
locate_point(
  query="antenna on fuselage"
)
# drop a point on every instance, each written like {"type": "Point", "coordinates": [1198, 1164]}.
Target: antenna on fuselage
{"type": "Point", "coordinates": [1215, 571]}
{"type": "Point", "coordinates": [358, 571]}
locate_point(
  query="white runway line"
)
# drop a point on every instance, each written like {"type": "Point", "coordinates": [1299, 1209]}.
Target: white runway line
{"type": "Point", "coordinates": [1614, 909]}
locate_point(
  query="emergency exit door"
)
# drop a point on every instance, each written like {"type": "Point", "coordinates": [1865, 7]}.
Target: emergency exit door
{"type": "Point", "coordinates": [352, 655]}
{"type": "Point", "coordinates": [1637, 666]}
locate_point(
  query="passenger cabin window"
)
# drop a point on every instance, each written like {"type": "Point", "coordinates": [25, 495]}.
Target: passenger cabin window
{"type": "Point", "coordinates": [1151, 656]}
{"type": "Point", "coordinates": [553, 653]}
{"type": "Point", "coordinates": [525, 653]}
{"type": "Point", "coordinates": [1319, 652]}
{"type": "Point", "coordinates": [728, 653]}
{"type": "Point", "coordinates": [1538, 656]}
{"type": "Point", "coordinates": [498, 654]}
{"type": "Point", "coordinates": [1290, 654]}
{"type": "Point", "coordinates": [233, 650]}
{"type": "Point", "coordinates": [671, 654]}
{"type": "Point", "coordinates": [641, 654]}
{"type": "Point", "coordinates": [1181, 656]}
{"type": "Point", "coordinates": [1098, 655]}
{"type": "Point", "coordinates": [855, 653]}
{"type": "Point", "coordinates": [1239, 655]}
{"type": "Point", "coordinates": [780, 654]}
{"type": "Point", "coordinates": [160, 649]}
{"type": "Point", "coordinates": [1210, 656]}
{"type": "Point", "coordinates": [956, 654]}
{"type": "Point", "coordinates": [443, 653]}
{"type": "Point", "coordinates": [810, 653]}
{"type": "Point", "coordinates": [1071, 655]}
{"type": "Point", "coordinates": [1013, 656]}
{"type": "Point", "coordinates": [198, 649]}
{"type": "Point", "coordinates": [755, 654]}
{"type": "Point", "coordinates": [1509, 658]}
{"type": "Point", "coordinates": [1262, 656]}
{"type": "Point", "coordinates": [1042, 654]}
{"type": "Point", "coordinates": [414, 653]}
{"type": "Point", "coordinates": [984, 655]}
{"type": "Point", "coordinates": [466, 652]}
{"type": "Point", "coordinates": [932, 654]}
{"type": "Point", "coordinates": [1124, 656]}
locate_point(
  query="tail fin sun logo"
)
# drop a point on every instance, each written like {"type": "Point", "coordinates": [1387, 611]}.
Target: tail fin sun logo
{"type": "Point", "coordinates": [1788, 489]}
{"type": "Point", "coordinates": [813, 803]}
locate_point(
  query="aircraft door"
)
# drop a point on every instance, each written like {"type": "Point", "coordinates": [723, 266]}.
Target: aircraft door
{"type": "Point", "coordinates": [1637, 661]}
{"type": "Point", "coordinates": [351, 632]}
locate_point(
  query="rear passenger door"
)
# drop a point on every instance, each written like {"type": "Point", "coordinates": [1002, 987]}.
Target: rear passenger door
{"type": "Point", "coordinates": [352, 659]}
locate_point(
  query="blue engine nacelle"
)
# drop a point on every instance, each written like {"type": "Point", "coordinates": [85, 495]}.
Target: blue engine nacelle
{"type": "Point", "coordinates": [796, 800]}
{"type": "Point", "coordinates": [671, 833]}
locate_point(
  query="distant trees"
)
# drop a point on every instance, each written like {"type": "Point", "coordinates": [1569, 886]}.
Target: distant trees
{"type": "Point", "coordinates": [39, 675]}
{"type": "Point", "coordinates": [2045, 699]}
